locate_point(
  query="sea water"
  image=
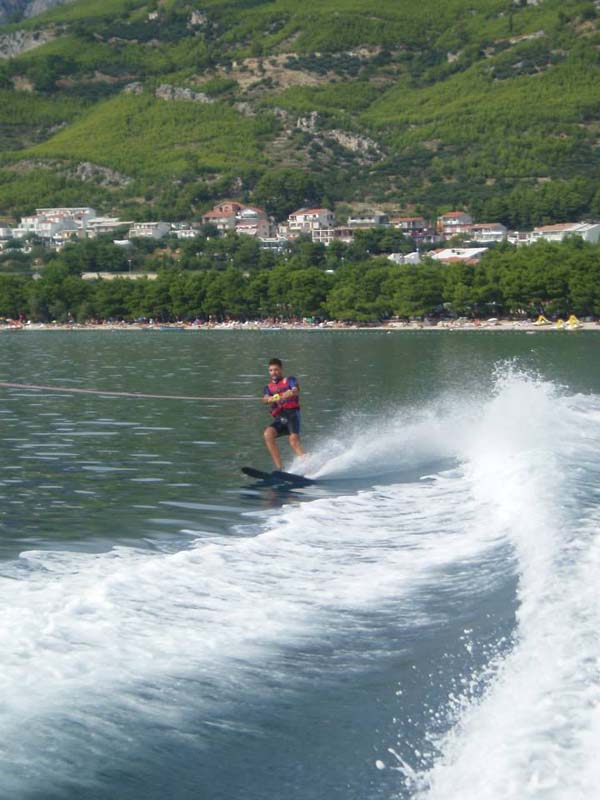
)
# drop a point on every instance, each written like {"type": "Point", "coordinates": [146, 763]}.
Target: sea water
{"type": "Point", "coordinates": [422, 623]}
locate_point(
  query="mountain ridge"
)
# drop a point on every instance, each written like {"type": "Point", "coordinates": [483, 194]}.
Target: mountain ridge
{"type": "Point", "coordinates": [424, 108]}
{"type": "Point", "coordinates": [18, 9]}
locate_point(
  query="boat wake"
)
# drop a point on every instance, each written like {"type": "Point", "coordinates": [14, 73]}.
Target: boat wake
{"type": "Point", "coordinates": [96, 648]}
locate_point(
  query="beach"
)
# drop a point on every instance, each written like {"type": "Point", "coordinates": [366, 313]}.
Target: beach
{"type": "Point", "coordinates": [527, 325]}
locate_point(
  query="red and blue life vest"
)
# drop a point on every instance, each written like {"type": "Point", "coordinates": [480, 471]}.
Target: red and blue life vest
{"type": "Point", "coordinates": [284, 385]}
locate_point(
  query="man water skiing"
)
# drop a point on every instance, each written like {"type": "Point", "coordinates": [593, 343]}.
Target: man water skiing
{"type": "Point", "coordinates": [282, 395]}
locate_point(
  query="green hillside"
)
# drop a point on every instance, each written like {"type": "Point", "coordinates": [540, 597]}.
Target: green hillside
{"type": "Point", "coordinates": [421, 106]}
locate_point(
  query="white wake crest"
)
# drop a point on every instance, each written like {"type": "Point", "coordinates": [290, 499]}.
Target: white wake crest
{"type": "Point", "coordinates": [534, 460]}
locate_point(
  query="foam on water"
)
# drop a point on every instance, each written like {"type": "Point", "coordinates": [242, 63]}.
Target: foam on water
{"type": "Point", "coordinates": [84, 637]}
{"type": "Point", "coordinates": [87, 639]}
{"type": "Point", "coordinates": [392, 443]}
{"type": "Point", "coordinates": [534, 733]}
{"type": "Point", "coordinates": [90, 641]}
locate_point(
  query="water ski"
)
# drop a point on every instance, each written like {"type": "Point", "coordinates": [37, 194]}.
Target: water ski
{"type": "Point", "coordinates": [278, 477]}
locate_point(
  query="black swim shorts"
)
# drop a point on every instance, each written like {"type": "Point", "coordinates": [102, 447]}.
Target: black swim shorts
{"type": "Point", "coordinates": [287, 422]}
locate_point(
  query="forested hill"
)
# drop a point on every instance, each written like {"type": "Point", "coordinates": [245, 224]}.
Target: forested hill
{"type": "Point", "coordinates": [158, 109]}
{"type": "Point", "coordinates": [17, 9]}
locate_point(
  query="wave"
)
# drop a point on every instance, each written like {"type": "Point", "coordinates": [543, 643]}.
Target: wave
{"type": "Point", "coordinates": [90, 641]}
{"type": "Point", "coordinates": [533, 732]}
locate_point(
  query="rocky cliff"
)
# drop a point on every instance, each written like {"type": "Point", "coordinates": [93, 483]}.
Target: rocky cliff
{"type": "Point", "coordinates": [13, 44]}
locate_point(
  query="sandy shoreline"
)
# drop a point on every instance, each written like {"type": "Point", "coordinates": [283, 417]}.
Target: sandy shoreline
{"type": "Point", "coordinates": [499, 325]}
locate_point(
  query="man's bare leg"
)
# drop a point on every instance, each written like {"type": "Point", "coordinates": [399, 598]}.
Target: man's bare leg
{"type": "Point", "coordinates": [296, 446]}
{"type": "Point", "coordinates": [271, 442]}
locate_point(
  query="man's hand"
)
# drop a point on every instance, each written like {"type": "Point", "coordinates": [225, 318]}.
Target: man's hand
{"type": "Point", "coordinates": [276, 398]}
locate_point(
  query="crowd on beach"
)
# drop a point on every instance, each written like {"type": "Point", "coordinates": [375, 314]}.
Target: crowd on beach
{"type": "Point", "coordinates": [270, 324]}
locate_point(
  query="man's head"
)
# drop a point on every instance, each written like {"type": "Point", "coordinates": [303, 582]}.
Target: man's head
{"type": "Point", "coordinates": [275, 369]}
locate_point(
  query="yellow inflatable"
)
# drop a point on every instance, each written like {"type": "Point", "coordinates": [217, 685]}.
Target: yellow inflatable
{"type": "Point", "coordinates": [572, 324]}
{"type": "Point", "coordinates": [541, 320]}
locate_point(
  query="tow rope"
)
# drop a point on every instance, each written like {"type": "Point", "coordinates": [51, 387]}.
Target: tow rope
{"type": "Point", "coordinates": [141, 395]}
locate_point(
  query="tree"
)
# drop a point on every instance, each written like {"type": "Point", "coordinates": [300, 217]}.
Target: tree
{"type": "Point", "coordinates": [258, 295]}
{"type": "Point", "coordinates": [307, 292]}
{"type": "Point", "coordinates": [157, 298]}
{"type": "Point", "coordinates": [112, 298]}
{"type": "Point", "coordinates": [95, 255]}
{"type": "Point", "coordinates": [56, 294]}
{"type": "Point", "coordinates": [360, 292]}
{"type": "Point", "coordinates": [420, 289]}
{"type": "Point", "coordinates": [283, 191]}
{"type": "Point", "coordinates": [13, 298]}
{"type": "Point", "coordinates": [225, 294]}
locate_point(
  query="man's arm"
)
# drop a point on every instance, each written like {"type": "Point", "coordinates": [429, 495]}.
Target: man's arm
{"type": "Point", "coordinates": [269, 398]}
{"type": "Point", "coordinates": [293, 391]}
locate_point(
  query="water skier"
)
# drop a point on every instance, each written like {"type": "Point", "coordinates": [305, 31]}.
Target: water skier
{"type": "Point", "coordinates": [282, 395]}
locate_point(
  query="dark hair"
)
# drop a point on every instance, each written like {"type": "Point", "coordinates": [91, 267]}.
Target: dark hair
{"type": "Point", "coordinates": [276, 362]}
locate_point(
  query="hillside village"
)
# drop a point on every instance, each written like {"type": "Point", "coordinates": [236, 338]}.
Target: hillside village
{"type": "Point", "coordinates": [55, 227]}
{"type": "Point", "coordinates": [235, 265]}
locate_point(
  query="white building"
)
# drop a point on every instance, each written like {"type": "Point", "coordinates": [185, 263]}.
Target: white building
{"type": "Point", "coordinates": [232, 216]}
{"type": "Point", "coordinates": [252, 221]}
{"type": "Point", "coordinates": [76, 213]}
{"type": "Point", "coordinates": [453, 223]}
{"type": "Point", "coordinates": [488, 232]}
{"type": "Point", "coordinates": [222, 216]}
{"type": "Point", "coordinates": [6, 233]}
{"type": "Point", "coordinates": [310, 219]}
{"type": "Point", "coordinates": [68, 235]}
{"type": "Point", "coordinates": [408, 258]}
{"type": "Point", "coordinates": [41, 227]}
{"type": "Point", "coordinates": [98, 225]}
{"type": "Point", "coordinates": [149, 230]}
{"type": "Point", "coordinates": [328, 235]}
{"type": "Point", "coordinates": [47, 223]}
{"type": "Point", "coordinates": [373, 220]}
{"type": "Point", "coordinates": [418, 228]}
{"type": "Point", "coordinates": [588, 231]}
{"type": "Point", "coordinates": [449, 254]}
{"type": "Point", "coordinates": [187, 233]}
{"type": "Point", "coordinates": [112, 276]}
{"type": "Point", "coordinates": [274, 243]}
{"type": "Point", "coordinates": [410, 226]}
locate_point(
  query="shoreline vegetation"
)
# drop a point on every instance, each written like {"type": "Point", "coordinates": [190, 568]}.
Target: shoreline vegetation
{"type": "Point", "coordinates": [348, 287]}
